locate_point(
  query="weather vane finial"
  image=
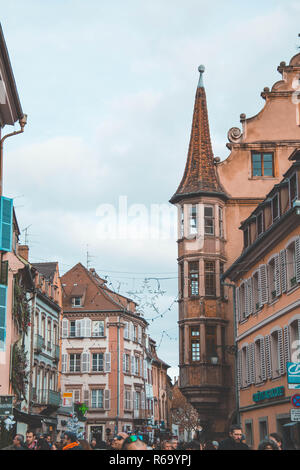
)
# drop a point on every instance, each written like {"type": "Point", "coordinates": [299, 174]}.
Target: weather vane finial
{"type": "Point", "coordinates": [201, 69]}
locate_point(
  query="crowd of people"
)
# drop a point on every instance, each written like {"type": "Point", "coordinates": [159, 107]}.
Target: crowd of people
{"type": "Point", "coordinates": [123, 441]}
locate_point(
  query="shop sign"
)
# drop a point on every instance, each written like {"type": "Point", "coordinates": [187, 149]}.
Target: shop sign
{"type": "Point", "coordinates": [295, 415]}
{"type": "Point", "coordinates": [67, 399]}
{"type": "Point", "coordinates": [268, 394]}
{"type": "Point", "coordinates": [293, 372]}
{"type": "Point", "coordinates": [6, 405]}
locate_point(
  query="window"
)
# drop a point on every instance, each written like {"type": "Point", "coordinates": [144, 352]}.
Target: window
{"type": "Point", "coordinates": [75, 362]}
{"type": "Point", "coordinates": [293, 187]}
{"type": "Point", "coordinates": [211, 340]}
{"type": "Point", "coordinates": [72, 328]}
{"type": "Point", "coordinates": [98, 328]}
{"type": "Point", "coordinates": [262, 164]}
{"type": "Point", "coordinates": [126, 363]}
{"type": "Point", "coordinates": [97, 362]}
{"type": "Point", "coordinates": [272, 280]}
{"type": "Point", "coordinates": [136, 365]}
{"type": "Point", "coordinates": [181, 274]}
{"type": "Point", "coordinates": [259, 224]}
{"type": "Point", "coordinates": [127, 404]}
{"type": "Point", "coordinates": [137, 403]}
{"type": "Point", "coordinates": [263, 428]}
{"type": "Point", "coordinates": [210, 278]}
{"type": "Point", "coordinates": [181, 221]}
{"type": "Point", "coordinates": [249, 433]}
{"type": "Point", "coordinates": [221, 234]}
{"type": "Point", "coordinates": [275, 207]}
{"type": "Point", "coordinates": [76, 301]}
{"type": "Point", "coordinates": [291, 265]}
{"type": "Point", "coordinates": [208, 220]}
{"type": "Point", "coordinates": [221, 285]}
{"type": "Point", "coordinates": [194, 278]}
{"type": "Point", "coordinates": [242, 302]}
{"type": "Point", "coordinates": [193, 219]}
{"type": "Point", "coordinates": [195, 343]}
{"type": "Point", "coordinates": [97, 398]}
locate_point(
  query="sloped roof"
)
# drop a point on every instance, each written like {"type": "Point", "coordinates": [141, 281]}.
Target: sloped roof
{"type": "Point", "coordinates": [199, 175]}
{"type": "Point", "coordinates": [46, 269]}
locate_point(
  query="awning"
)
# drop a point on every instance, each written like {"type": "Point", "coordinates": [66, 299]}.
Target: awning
{"type": "Point", "coordinates": [28, 418]}
{"type": "Point", "coordinates": [290, 424]}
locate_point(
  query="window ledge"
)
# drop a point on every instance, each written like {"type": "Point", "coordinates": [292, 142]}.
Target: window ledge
{"type": "Point", "coordinates": [274, 301]}
{"type": "Point", "coordinates": [292, 289]}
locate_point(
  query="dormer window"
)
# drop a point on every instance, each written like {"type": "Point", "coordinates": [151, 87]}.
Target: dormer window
{"type": "Point", "coordinates": [246, 238]}
{"type": "Point", "coordinates": [260, 224]}
{"type": "Point", "coordinates": [275, 207]}
{"type": "Point", "coordinates": [293, 187]}
{"type": "Point", "coordinates": [76, 301]}
{"type": "Point", "coordinates": [262, 164]}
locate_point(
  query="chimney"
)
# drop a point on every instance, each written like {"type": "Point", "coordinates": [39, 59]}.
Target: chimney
{"type": "Point", "coordinates": [23, 250]}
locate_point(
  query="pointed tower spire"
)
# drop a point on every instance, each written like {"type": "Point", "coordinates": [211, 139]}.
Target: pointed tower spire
{"type": "Point", "coordinates": [199, 175]}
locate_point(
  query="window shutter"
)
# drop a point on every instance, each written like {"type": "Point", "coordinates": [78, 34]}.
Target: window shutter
{"type": "Point", "coordinates": [250, 297]}
{"type": "Point", "coordinates": [247, 372]}
{"type": "Point", "coordinates": [6, 223]}
{"type": "Point", "coordinates": [124, 362]}
{"type": "Point", "coordinates": [252, 363]}
{"type": "Point", "coordinates": [65, 324]}
{"type": "Point", "coordinates": [139, 334]}
{"type": "Point", "coordinates": [263, 284]}
{"type": "Point", "coordinates": [87, 327]}
{"type": "Point", "coordinates": [297, 258]}
{"type": "Point", "coordinates": [64, 363]}
{"type": "Point", "coordinates": [107, 362]}
{"type": "Point", "coordinates": [237, 304]}
{"type": "Point", "coordinates": [283, 274]}
{"type": "Point", "coordinates": [287, 352]}
{"type": "Point", "coordinates": [85, 362]}
{"type": "Point", "coordinates": [86, 397]}
{"type": "Point", "coordinates": [145, 370]}
{"type": "Point", "coordinates": [277, 275]}
{"type": "Point", "coordinates": [4, 273]}
{"type": "Point", "coordinates": [246, 299]}
{"type": "Point", "coordinates": [142, 400]}
{"type": "Point", "coordinates": [126, 330]}
{"type": "Point", "coordinates": [263, 359]}
{"type": "Point", "coordinates": [281, 352]}
{"type": "Point", "coordinates": [141, 366]}
{"type": "Point", "coordinates": [239, 369]}
{"type": "Point", "coordinates": [268, 356]}
{"type": "Point", "coordinates": [106, 399]}
{"type": "Point", "coordinates": [132, 366]}
{"type": "Point", "coordinates": [78, 328]}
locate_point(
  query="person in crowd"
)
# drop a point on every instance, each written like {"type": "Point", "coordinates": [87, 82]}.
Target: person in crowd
{"type": "Point", "coordinates": [70, 441]}
{"type": "Point", "coordinates": [134, 442]}
{"type": "Point", "coordinates": [268, 444]}
{"type": "Point", "coordinates": [210, 445]}
{"type": "Point", "coordinates": [234, 441]}
{"type": "Point", "coordinates": [84, 444]}
{"type": "Point", "coordinates": [56, 446]}
{"type": "Point", "coordinates": [42, 444]}
{"type": "Point", "coordinates": [277, 439]}
{"type": "Point", "coordinates": [174, 443]}
{"type": "Point", "coordinates": [166, 445]}
{"type": "Point", "coordinates": [102, 445]}
{"type": "Point", "coordinates": [30, 440]}
{"type": "Point", "coordinates": [17, 443]}
{"type": "Point", "coordinates": [93, 443]}
{"type": "Point", "coordinates": [118, 440]}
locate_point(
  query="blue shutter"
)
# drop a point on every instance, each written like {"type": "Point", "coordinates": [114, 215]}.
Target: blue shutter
{"type": "Point", "coordinates": [6, 217]}
{"type": "Point", "coordinates": [3, 290]}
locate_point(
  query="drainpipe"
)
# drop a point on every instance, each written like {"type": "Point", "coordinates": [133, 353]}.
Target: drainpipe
{"type": "Point", "coordinates": [22, 122]}
{"type": "Point", "coordinates": [31, 350]}
{"type": "Point", "coordinates": [237, 398]}
{"type": "Point", "coordinates": [118, 376]}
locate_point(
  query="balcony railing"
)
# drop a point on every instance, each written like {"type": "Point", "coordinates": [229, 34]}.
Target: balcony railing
{"type": "Point", "coordinates": [46, 397]}
{"type": "Point", "coordinates": [204, 375]}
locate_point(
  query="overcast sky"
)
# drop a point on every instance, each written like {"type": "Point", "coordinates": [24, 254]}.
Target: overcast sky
{"type": "Point", "coordinates": [109, 91]}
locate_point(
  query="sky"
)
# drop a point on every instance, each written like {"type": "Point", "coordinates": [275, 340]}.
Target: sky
{"type": "Point", "coordinates": [109, 90]}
